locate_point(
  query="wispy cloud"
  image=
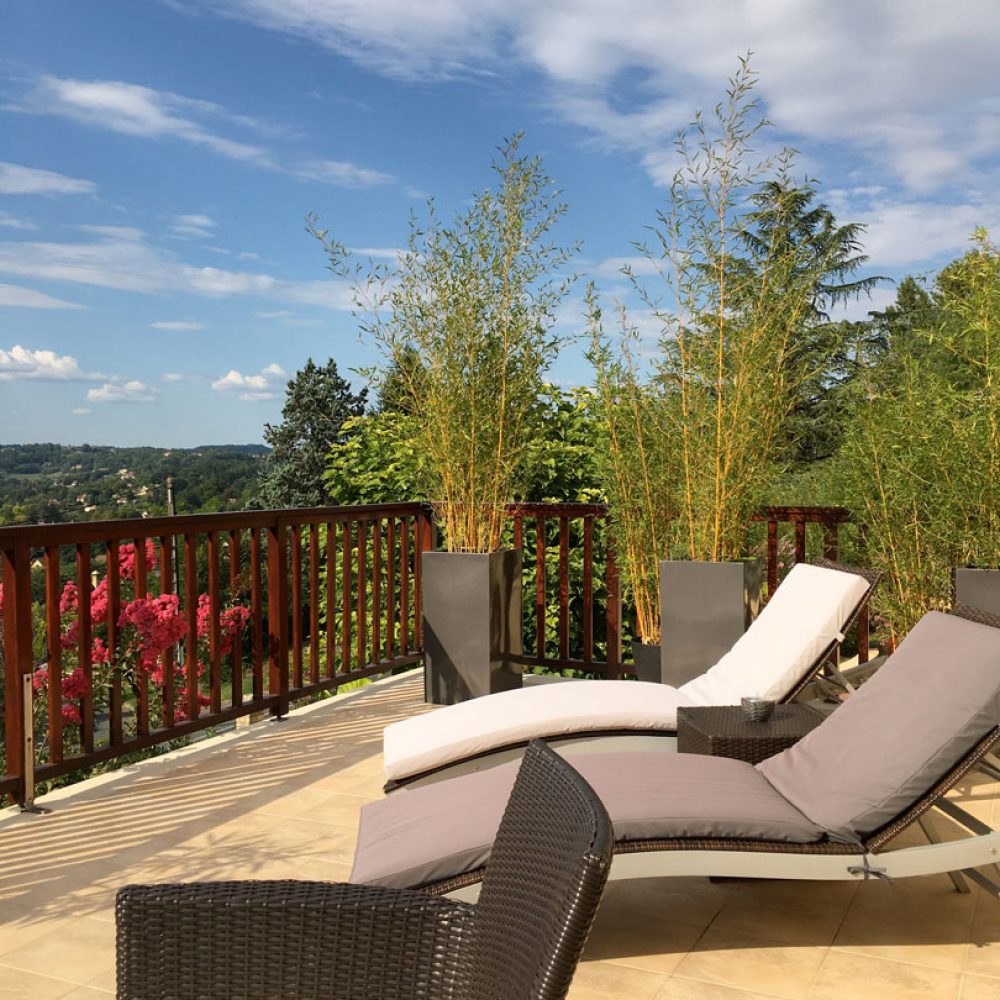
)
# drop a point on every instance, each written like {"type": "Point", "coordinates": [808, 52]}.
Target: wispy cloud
{"type": "Point", "coordinates": [30, 298]}
{"type": "Point", "coordinates": [122, 392]}
{"type": "Point", "coordinates": [177, 324]}
{"type": "Point", "coordinates": [46, 366]}
{"type": "Point", "coordinates": [135, 110]}
{"type": "Point", "coordinates": [17, 179]}
{"type": "Point", "coordinates": [265, 385]}
{"type": "Point", "coordinates": [192, 227]}
{"type": "Point", "coordinates": [10, 222]}
{"type": "Point", "coordinates": [79, 411]}
{"type": "Point", "coordinates": [172, 377]}
{"type": "Point", "coordinates": [342, 174]}
{"type": "Point", "coordinates": [121, 258]}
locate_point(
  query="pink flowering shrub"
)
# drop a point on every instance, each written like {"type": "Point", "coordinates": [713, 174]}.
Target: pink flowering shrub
{"type": "Point", "coordinates": [148, 627]}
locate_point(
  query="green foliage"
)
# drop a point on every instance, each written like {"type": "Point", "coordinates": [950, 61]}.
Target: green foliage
{"type": "Point", "coordinates": [317, 404]}
{"type": "Point", "coordinates": [475, 302]}
{"type": "Point", "coordinates": [375, 461]}
{"type": "Point", "coordinates": [378, 460]}
{"type": "Point", "coordinates": [921, 464]}
{"type": "Point", "coordinates": [52, 483]}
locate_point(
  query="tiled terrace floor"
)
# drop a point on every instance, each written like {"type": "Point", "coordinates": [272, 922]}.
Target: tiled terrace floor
{"type": "Point", "coordinates": [281, 800]}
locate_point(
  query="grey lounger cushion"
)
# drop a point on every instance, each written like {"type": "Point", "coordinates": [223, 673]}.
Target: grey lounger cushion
{"type": "Point", "coordinates": [933, 700]}
{"type": "Point", "coordinates": [432, 833]}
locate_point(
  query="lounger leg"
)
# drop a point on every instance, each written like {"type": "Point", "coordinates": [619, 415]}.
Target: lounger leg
{"type": "Point", "coordinates": [957, 879]}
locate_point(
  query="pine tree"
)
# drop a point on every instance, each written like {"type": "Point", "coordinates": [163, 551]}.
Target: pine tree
{"type": "Point", "coordinates": [317, 402]}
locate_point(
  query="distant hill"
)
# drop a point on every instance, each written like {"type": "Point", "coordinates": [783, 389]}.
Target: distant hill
{"type": "Point", "coordinates": [52, 482]}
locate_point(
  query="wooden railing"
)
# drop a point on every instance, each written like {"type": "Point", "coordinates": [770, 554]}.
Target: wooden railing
{"type": "Point", "coordinates": [323, 596]}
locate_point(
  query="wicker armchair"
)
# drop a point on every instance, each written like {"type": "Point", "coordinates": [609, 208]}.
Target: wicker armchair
{"type": "Point", "coordinates": [306, 940]}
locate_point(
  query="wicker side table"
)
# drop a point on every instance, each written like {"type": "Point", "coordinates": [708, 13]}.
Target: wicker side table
{"type": "Point", "coordinates": [723, 731]}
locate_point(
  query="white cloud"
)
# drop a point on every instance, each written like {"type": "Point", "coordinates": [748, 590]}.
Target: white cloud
{"type": "Point", "coordinates": [904, 234]}
{"type": "Point", "coordinates": [45, 366]}
{"type": "Point", "coordinates": [79, 411]}
{"type": "Point", "coordinates": [10, 222]}
{"type": "Point", "coordinates": [29, 298]}
{"type": "Point", "coordinates": [172, 377]}
{"type": "Point", "coordinates": [122, 259]}
{"type": "Point", "coordinates": [122, 392]}
{"type": "Point", "coordinates": [611, 267]}
{"type": "Point", "coordinates": [342, 174]}
{"type": "Point", "coordinates": [135, 110]}
{"type": "Point", "coordinates": [275, 314]}
{"type": "Point", "coordinates": [266, 385]}
{"type": "Point", "coordinates": [177, 324]}
{"type": "Point", "coordinates": [192, 227]}
{"type": "Point", "coordinates": [15, 179]}
{"type": "Point", "coordinates": [248, 255]}
{"type": "Point", "coordinates": [911, 91]}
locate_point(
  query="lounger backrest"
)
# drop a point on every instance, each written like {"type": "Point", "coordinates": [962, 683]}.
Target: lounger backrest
{"type": "Point", "coordinates": [932, 701]}
{"type": "Point", "coordinates": [804, 616]}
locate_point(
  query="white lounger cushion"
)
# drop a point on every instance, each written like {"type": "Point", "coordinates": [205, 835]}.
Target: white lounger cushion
{"type": "Point", "coordinates": [807, 613]}
{"type": "Point", "coordinates": [803, 617]}
{"type": "Point", "coordinates": [439, 831]}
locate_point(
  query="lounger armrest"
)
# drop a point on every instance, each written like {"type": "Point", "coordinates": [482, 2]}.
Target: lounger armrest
{"type": "Point", "coordinates": [216, 940]}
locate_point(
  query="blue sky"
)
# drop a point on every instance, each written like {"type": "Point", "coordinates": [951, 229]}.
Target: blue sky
{"type": "Point", "coordinates": [157, 159]}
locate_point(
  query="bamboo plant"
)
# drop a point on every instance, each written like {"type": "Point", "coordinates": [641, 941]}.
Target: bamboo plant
{"type": "Point", "coordinates": [464, 323]}
{"type": "Point", "coordinates": [699, 426]}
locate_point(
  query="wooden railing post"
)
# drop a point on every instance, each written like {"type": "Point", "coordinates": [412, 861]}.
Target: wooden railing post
{"type": "Point", "coordinates": [18, 657]}
{"type": "Point", "coordinates": [277, 616]}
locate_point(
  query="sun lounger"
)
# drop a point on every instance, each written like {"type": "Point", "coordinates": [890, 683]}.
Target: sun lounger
{"type": "Point", "coordinates": [823, 809]}
{"type": "Point", "coordinates": [794, 635]}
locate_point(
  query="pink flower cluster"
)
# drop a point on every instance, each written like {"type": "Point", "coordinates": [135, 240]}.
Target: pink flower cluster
{"type": "Point", "coordinates": [158, 625]}
{"type": "Point", "coordinates": [75, 687]}
{"type": "Point", "coordinates": [232, 621]}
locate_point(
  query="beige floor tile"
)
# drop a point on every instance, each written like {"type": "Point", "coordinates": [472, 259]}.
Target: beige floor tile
{"type": "Point", "coordinates": [921, 921]}
{"type": "Point", "coordinates": [79, 950]}
{"type": "Point", "coordinates": [695, 989]}
{"type": "Point", "coordinates": [603, 981]}
{"type": "Point", "coordinates": [979, 988]}
{"type": "Point", "coordinates": [651, 924]}
{"type": "Point", "coordinates": [802, 913]}
{"type": "Point", "coordinates": [90, 993]}
{"type": "Point", "coordinates": [983, 957]}
{"type": "Point", "coordinates": [15, 984]}
{"type": "Point", "coordinates": [750, 962]}
{"type": "Point", "coordinates": [860, 977]}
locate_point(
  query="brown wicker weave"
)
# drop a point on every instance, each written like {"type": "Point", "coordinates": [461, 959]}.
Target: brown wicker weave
{"type": "Point", "coordinates": [306, 940]}
{"type": "Point", "coordinates": [872, 576]}
{"type": "Point", "coordinates": [724, 731]}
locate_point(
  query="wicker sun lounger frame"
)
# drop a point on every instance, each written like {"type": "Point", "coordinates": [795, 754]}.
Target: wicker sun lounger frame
{"type": "Point", "coordinates": [312, 940]}
{"type": "Point", "coordinates": [826, 659]}
{"type": "Point", "coordinates": [825, 860]}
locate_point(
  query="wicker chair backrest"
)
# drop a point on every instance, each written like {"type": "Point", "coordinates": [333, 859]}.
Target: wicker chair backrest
{"type": "Point", "coordinates": [542, 886]}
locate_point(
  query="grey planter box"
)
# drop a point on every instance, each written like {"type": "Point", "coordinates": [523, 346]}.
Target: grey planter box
{"type": "Point", "coordinates": [646, 657]}
{"type": "Point", "coordinates": [704, 608]}
{"type": "Point", "coordinates": [472, 624]}
{"type": "Point", "coordinates": [979, 588]}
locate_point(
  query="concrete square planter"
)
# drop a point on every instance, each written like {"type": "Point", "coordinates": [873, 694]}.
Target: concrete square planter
{"type": "Point", "coordinates": [979, 588]}
{"type": "Point", "coordinates": [472, 624]}
{"type": "Point", "coordinates": [646, 657]}
{"type": "Point", "coordinates": [704, 608]}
